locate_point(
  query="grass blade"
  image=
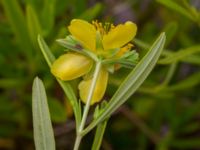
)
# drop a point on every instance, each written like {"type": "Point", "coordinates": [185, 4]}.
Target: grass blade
{"type": "Point", "coordinates": [33, 24]}
{"type": "Point", "coordinates": [49, 57]}
{"type": "Point", "coordinates": [17, 21]}
{"type": "Point", "coordinates": [43, 131]}
{"type": "Point", "coordinates": [48, 15]}
{"type": "Point", "coordinates": [176, 7]}
{"type": "Point", "coordinates": [92, 12]}
{"type": "Point", "coordinates": [180, 55]}
{"type": "Point", "coordinates": [170, 29]}
{"type": "Point", "coordinates": [132, 82]}
{"type": "Point", "coordinates": [186, 84]}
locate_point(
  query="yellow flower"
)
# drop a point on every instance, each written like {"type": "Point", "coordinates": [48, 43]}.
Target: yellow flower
{"type": "Point", "coordinates": [104, 41]}
{"type": "Point", "coordinates": [111, 37]}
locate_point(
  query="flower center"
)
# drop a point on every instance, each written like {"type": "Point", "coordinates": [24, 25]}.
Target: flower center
{"type": "Point", "coordinates": [103, 28]}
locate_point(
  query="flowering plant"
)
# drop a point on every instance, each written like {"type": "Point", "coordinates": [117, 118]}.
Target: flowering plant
{"type": "Point", "coordinates": [90, 44]}
{"type": "Point", "coordinates": [92, 52]}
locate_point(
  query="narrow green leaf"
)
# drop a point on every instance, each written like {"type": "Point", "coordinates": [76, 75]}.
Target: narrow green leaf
{"type": "Point", "coordinates": [132, 82]}
{"type": "Point", "coordinates": [99, 135]}
{"type": "Point", "coordinates": [169, 75]}
{"type": "Point", "coordinates": [186, 84]}
{"type": "Point", "coordinates": [100, 127]}
{"type": "Point", "coordinates": [50, 58]}
{"type": "Point", "coordinates": [193, 59]}
{"type": "Point", "coordinates": [80, 7]}
{"type": "Point", "coordinates": [170, 29]}
{"type": "Point", "coordinates": [34, 3]}
{"type": "Point", "coordinates": [17, 21]}
{"type": "Point", "coordinates": [43, 131]}
{"type": "Point", "coordinates": [91, 13]}
{"type": "Point", "coordinates": [141, 43]}
{"type": "Point", "coordinates": [33, 24]}
{"type": "Point", "coordinates": [48, 15]}
{"type": "Point", "coordinates": [179, 55]}
{"type": "Point", "coordinates": [61, 6]}
{"type": "Point", "coordinates": [176, 7]}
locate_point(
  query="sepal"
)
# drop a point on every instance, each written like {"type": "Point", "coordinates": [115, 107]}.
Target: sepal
{"type": "Point", "coordinates": [73, 45]}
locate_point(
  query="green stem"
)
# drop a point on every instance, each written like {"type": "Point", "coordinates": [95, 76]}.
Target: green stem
{"type": "Point", "coordinates": [77, 142]}
{"type": "Point", "coordinates": [87, 106]}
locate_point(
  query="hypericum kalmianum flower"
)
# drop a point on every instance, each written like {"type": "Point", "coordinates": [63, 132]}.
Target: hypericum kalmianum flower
{"type": "Point", "coordinates": [89, 43]}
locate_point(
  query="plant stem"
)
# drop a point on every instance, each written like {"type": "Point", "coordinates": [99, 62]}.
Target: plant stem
{"type": "Point", "coordinates": [77, 142]}
{"type": "Point", "coordinates": [87, 106]}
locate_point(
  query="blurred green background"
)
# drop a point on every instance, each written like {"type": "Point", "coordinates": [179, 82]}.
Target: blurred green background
{"type": "Point", "coordinates": [164, 114]}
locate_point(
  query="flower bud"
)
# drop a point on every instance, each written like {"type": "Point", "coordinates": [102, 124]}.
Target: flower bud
{"type": "Point", "coordinates": [71, 66]}
{"type": "Point", "coordinates": [100, 88]}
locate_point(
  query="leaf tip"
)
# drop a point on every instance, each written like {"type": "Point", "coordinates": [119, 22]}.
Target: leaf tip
{"type": "Point", "coordinates": [163, 34]}
{"type": "Point", "coordinates": [36, 78]}
{"type": "Point", "coordinates": [162, 37]}
{"type": "Point", "coordinates": [39, 37]}
{"type": "Point", "coordinates": [59, 40]}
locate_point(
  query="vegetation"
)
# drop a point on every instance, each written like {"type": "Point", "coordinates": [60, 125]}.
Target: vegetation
{"type": "Point", "coordinates": [162, 113]}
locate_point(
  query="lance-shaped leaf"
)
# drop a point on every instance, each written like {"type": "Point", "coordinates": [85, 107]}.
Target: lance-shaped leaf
{"type": "Point", "coordinates": [43, 131]}
{"type": "Point", "coordinates": [132, 81]}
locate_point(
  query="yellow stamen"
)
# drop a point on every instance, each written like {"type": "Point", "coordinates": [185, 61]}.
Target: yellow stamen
{"type": "Point", "coordinates": [99, 27]}
{"type": "Point", "coordinates": [124, 49]}
{"type": "Point", "coordinates": [103, 28]}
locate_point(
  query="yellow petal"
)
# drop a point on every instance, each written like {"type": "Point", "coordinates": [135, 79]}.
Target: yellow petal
{"type": "Point", "coordinates": [84, 32]}
{"type": "Point", "coordinates": [70, 66]}
{"type": "Point", "coordinates": [99, 90]}
{"type": "Point", "coordinates": [119, 36]}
